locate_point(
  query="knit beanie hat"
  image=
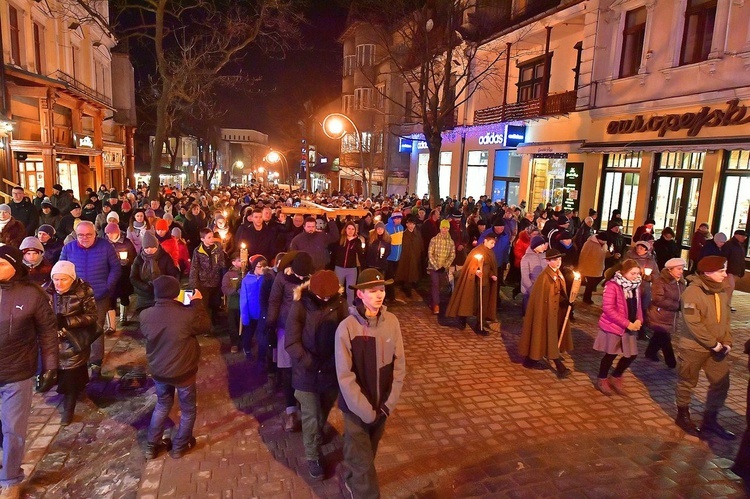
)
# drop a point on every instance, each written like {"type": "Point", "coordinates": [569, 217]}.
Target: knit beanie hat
{"type": "Point", "coordinates": [255, 260]}
{"type": "Point", "coordinates": [324, 284]}
{"type": "Point", "coordinates": [177, 233]}
{"type": "Point", "coordinates": [302, 265]}
{"type": "Point", "coordinates": [14, 256]}
{"type": "Point", "coordinates": [720, 237]}
{"type": "Point", "coordinates": [166, 286]}
{"type": "Point", "coordinates": [112, 228]}
{"type": "Point", "coordinates": [64, 267]}
{"type": "Point", "coordinates": [168, 217]}
{"type": "Point", "coordinates": [46, 228]}
{"type": "Point", "coordinates": [126, 206]}
{"type": "Point", "coordinates": [31, 243]}
{"type": "Point", "coordinates": [4, 207]}
{"type": "Point", "coordinates": [711, 263]}
{"type": "Point", "coordinates": [149, 240]}
{"type": "Point", "coordinates": [564, 234]}
{"type": "Point", "coordinates": [536, 241]}
{"type": "Point", "coordinates": [149, 213]}
{"type": "Point", "coordinates": [445, 224]}
{"type": "Point", "coordinates": [112, 215]}
{"type": "Point", "coordinates": [162, 224]}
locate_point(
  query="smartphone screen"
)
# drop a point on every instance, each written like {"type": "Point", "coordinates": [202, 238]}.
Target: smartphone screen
{"type": "Point", "coordinates": [188, 295]}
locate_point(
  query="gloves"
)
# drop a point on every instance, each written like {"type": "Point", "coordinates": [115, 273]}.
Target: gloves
{"type": "Point", "coordinates": [720, 352]}
{"type": "Point", "coordinates": [46, 380]}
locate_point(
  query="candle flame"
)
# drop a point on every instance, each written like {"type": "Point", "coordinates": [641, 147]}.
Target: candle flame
{"type": "Point", "coordinates": [577, 275]}
{"type": "Point", "coordinates": [243, 246]}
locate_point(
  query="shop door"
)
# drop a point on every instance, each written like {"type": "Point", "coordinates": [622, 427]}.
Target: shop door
{"type": "Point", "coordinates": [674, 203]}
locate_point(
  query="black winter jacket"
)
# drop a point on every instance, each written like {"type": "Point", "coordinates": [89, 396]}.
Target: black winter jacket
{"type": "Point", "coordinates": [310, 339]}
{"type": "Point", "coordinates": [172, 349]}
{"type": "Point", "coordinates": [144, 283]}
{"type": "Point", "coordinates": [281, 297]}
{"type": "Point", "coordinates": [734, 252]}
{"type": "Point", "coordinates": [26, 325]}
{"type": "Point", "coordinates": [76, 315]}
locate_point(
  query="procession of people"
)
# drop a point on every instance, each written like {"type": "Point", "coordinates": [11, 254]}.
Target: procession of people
{"type": "Point", "coordinates": [301, 281]}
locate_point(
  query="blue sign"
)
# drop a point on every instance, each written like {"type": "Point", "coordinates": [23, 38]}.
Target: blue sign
{"type": "Point", "coordinates": [516, 134]}
{"type": "Point", "coordinates": [404, 145]}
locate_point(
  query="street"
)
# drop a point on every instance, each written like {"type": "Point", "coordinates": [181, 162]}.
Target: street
{"type": "Point", "coordinates": [472, 422]}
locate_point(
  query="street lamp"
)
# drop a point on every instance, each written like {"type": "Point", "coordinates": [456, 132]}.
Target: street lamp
{"type": "Point", "coordinates": [334, 127]}
{"type": "Point", "coordinates": [274, 157]}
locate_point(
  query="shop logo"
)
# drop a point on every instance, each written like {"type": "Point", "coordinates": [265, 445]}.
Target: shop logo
{"type": "Point", "coordinates": [85, 141]}
{"type": "Point", "coordinates": [734, 114]}
{"type": "Point", "coordinates": [491, 138]}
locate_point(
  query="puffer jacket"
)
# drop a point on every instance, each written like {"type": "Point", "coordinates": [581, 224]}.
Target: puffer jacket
{"type": "Point", "coordinates": [76, 312]}
{"type": "Point", "coordinates": [665, 302]}
{"type": "Point", "coordinates": [704, 328]}
{"type": "Point", "coordinates": [172, 349]}
{"type": "Point", "coordinates": [52, 250]}
{"type": "Point", "coordinates": [281, 298]}
{"type": "Point", "coordinates": [311, 337]}
{"type": "Point", "coordinates": [27, 325]}
{"type": "Point", "coordinates": [98, 265]}
{"type": "Point", "coordinates": [614, 318]}
{"type": "Point", "coordinates": [370, 364]}
{"type": "Point", "coordinates": [532, 264]}
{"type": "Point", "coordinates": [143, 283]}
{"type": "Point", "coordinates": [206, 266]}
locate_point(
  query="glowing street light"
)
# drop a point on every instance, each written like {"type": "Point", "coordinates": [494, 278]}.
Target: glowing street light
{"type": "Point", "coordinates": [334, 127]}
{"type": "Point", "coordinates": [274, 157]}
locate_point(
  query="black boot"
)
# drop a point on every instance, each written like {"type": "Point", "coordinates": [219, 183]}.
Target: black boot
{"type": "Point", "coordinates": [711, 425]}
{"type": "Point", "coordinates": [683, 421]}
{"type": "Point", "coordinates": [562, 371]}
{"type": "Point", "coordinates": [654, 345]}
{"type": "Point", "coordinates": [462, 323]}
{"type": "Point", "coordinates": [69, 408]}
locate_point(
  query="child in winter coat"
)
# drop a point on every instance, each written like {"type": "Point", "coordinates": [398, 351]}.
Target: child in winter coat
{"type": "Point", "coordinates": [205, 272]}
{"type": "Point", "coordinates": [256, 289]}
{"type": "Point", "coordinates": [230, 286]}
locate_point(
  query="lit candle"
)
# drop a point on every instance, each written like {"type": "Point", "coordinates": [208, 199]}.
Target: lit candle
{"type": "Point", "coordinates": [382, 252]}
{"type": "Point", "coordinates": [123, 255]}
{"type": "Point", "coordinates": [648, 270]}
{"type": "Point", "coordinates": [225, 213]}
{"type": "Point", "coordinates": [363, 245]}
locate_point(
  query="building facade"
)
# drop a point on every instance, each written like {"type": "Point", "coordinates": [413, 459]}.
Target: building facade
{"type": "Point", "coordinates": [69, 127]}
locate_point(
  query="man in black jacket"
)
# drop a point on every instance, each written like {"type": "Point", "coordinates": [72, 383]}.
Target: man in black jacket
{"type": "Point", "coordinates": [24, 211]}
{"type": "Point", "coordinates": [734, 251]}
{"type": "Point", "coordinates": [27, 327]}
{"type": "Point", "coordinates": [318, 308]}
{"type": "Point", "coordinates": [173, 352]}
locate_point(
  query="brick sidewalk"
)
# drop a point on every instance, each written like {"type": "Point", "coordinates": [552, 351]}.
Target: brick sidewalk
{"type": "Point", "coordinates": [472, 422]}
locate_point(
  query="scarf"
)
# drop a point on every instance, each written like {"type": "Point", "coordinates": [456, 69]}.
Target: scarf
{"type": "Point", "coordinates": [627, 285]}
{"type": "Point", "coordinates": [3, 224]}
{"type": "Point", "coordinates": [150, 268]}
{"type": "Point", "coordinates": [712, 286]}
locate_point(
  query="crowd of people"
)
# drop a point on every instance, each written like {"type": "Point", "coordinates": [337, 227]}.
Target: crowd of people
{"type": "Point", "coordinates": [301, 295]}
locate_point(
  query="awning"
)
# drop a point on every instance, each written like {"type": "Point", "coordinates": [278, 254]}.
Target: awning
{"type": "Point", "coordinates": [568, 146]}
{"type": "Point", "coordinates": [683, 145]}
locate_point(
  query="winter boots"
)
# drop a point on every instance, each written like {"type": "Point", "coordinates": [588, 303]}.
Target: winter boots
{"type": "Point", "coordinates": [683, 421]}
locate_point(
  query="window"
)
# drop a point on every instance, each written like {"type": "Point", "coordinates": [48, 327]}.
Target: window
{"type": "Point", "coordinates": [15, 35]}
{"type": "Point", "coordinates": [700, 17]}
{"type": "Point", "coordinates": [735, 202]}
{"type": "Point", "coordinates": [632, 42]}
{"type": "Point", "coordinates": [38, 49]}
{"type": "Point", "coordinates": [476, 173]}
{"type": "Point", "coordinates": [444, 174]}
{"type": "Point", "coordinates": [348, 104]}
{"type": "Point", "coordinates": [363, 98]}
{"type": "Point", "coordinates": [349, 144]}
{"type": "Point", "coordinates": [682, 161]}
{"type": "Point", "coordinates": [409, 114]}
{"type": "Point", "coordinates": [349, 65]}
{"type": "Point", "coordinates": [506, 181]}
{"type": "Point", "coordinates": [380, 96]}
{"type": "Point", "coordinates": [621, 180]}
{"type": "Point", "coordinates": [365, 55]}
{"type": "Point", "coordinates": [530, 76]}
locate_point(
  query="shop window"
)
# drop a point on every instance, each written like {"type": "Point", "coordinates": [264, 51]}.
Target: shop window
{"type": "Point", "coordinates": [700, 18]}
{"type": "Point", "coordinates": [444, 174]}
{"type": "Point", "coordinates": [548, 180]}
{"type": "Point", "coordinates": [682, 161]}
{"type": "Point", "coordinates": [621, 181]}
{"type": "Point", "coordinates": [632, 42]}
{"type": "Point", "coordinates": [423, 181]}
{"type": "Point", "coordinates": [476, 173]}
{"type": "Point", "coordinates": [15, 35]}
{"type": "Point", "coordinates": [735, 194]}
{"type": "Point", "coordinates": [530, 79]}
{"type": "Point", "coordinates": [446, 157]}
{"type": "Point", "coordinates": [31, 174]}
{"type": "Point", "coordinates": [506, 177]}
{"type": "Point", "coordinates": [67, 175]}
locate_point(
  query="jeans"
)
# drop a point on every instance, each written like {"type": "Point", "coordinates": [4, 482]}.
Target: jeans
{"type": "Point", "coordinates": [360, 446]}
{"type": "Point", "coordinates": [97, 347]}
{"type": "Point", "coordinates": [314, 410]}
{"type": "Point", "coordinates": [347, 277]}
{"type": "Point", "coordinates": [15, 407]}
{"type": "Point", "coordinates": [164, 402]}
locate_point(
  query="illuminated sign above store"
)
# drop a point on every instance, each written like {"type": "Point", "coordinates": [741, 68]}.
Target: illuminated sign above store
{"type": "Point", "coordinates": [515, 134]}
{"type": "Point", "coordinates": [85, 141]}
{"type": "Point", "coordinates": [734, 114]}
{"type": "Point", "coordinates": [491, 138]}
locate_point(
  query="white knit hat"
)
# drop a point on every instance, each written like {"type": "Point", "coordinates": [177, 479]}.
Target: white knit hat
{"type": "Point", "coordinates": [64, 267]}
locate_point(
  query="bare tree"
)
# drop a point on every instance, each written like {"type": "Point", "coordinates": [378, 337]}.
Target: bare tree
{"type": "Point", "coordinates": [195, 42]}
{"type": "Point", "coordinates": [434, 48]}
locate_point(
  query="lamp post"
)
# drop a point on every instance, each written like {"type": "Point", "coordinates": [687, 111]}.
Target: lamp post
{"type": "Point", "coordinates": [274, 157]}
{"type": "Point", "coordinates": [334, 128]}
{"type": "Point", "coordinates": [240, 165]}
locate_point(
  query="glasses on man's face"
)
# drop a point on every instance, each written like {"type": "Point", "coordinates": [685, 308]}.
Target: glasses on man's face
{"type": "Point", "coordinates": [85, 235]}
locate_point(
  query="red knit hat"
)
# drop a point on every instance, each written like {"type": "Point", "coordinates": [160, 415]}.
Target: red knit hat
{"type": "Point", "coordinates": [162, 224]}
{"type": "Point", "coordinates": [711, 263]}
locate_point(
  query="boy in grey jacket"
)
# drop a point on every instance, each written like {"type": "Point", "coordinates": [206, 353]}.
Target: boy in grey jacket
{"type": "Point", "coordinates": [370, 368]}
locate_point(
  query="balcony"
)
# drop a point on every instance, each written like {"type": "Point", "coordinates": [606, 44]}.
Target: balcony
{"type": "Point", "coordinates": [560, 103]}
{"type": "Point", "coordinates": [82, 89]}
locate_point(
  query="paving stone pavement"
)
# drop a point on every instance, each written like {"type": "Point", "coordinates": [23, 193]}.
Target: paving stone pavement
{"type": "Point", "coordinates": [472, 422]}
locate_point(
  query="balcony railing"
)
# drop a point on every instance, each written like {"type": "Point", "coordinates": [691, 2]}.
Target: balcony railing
{"type": "Point", "coordinates": [82, 88]}
{"type": "Point", "coordinates": [560, 103]}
